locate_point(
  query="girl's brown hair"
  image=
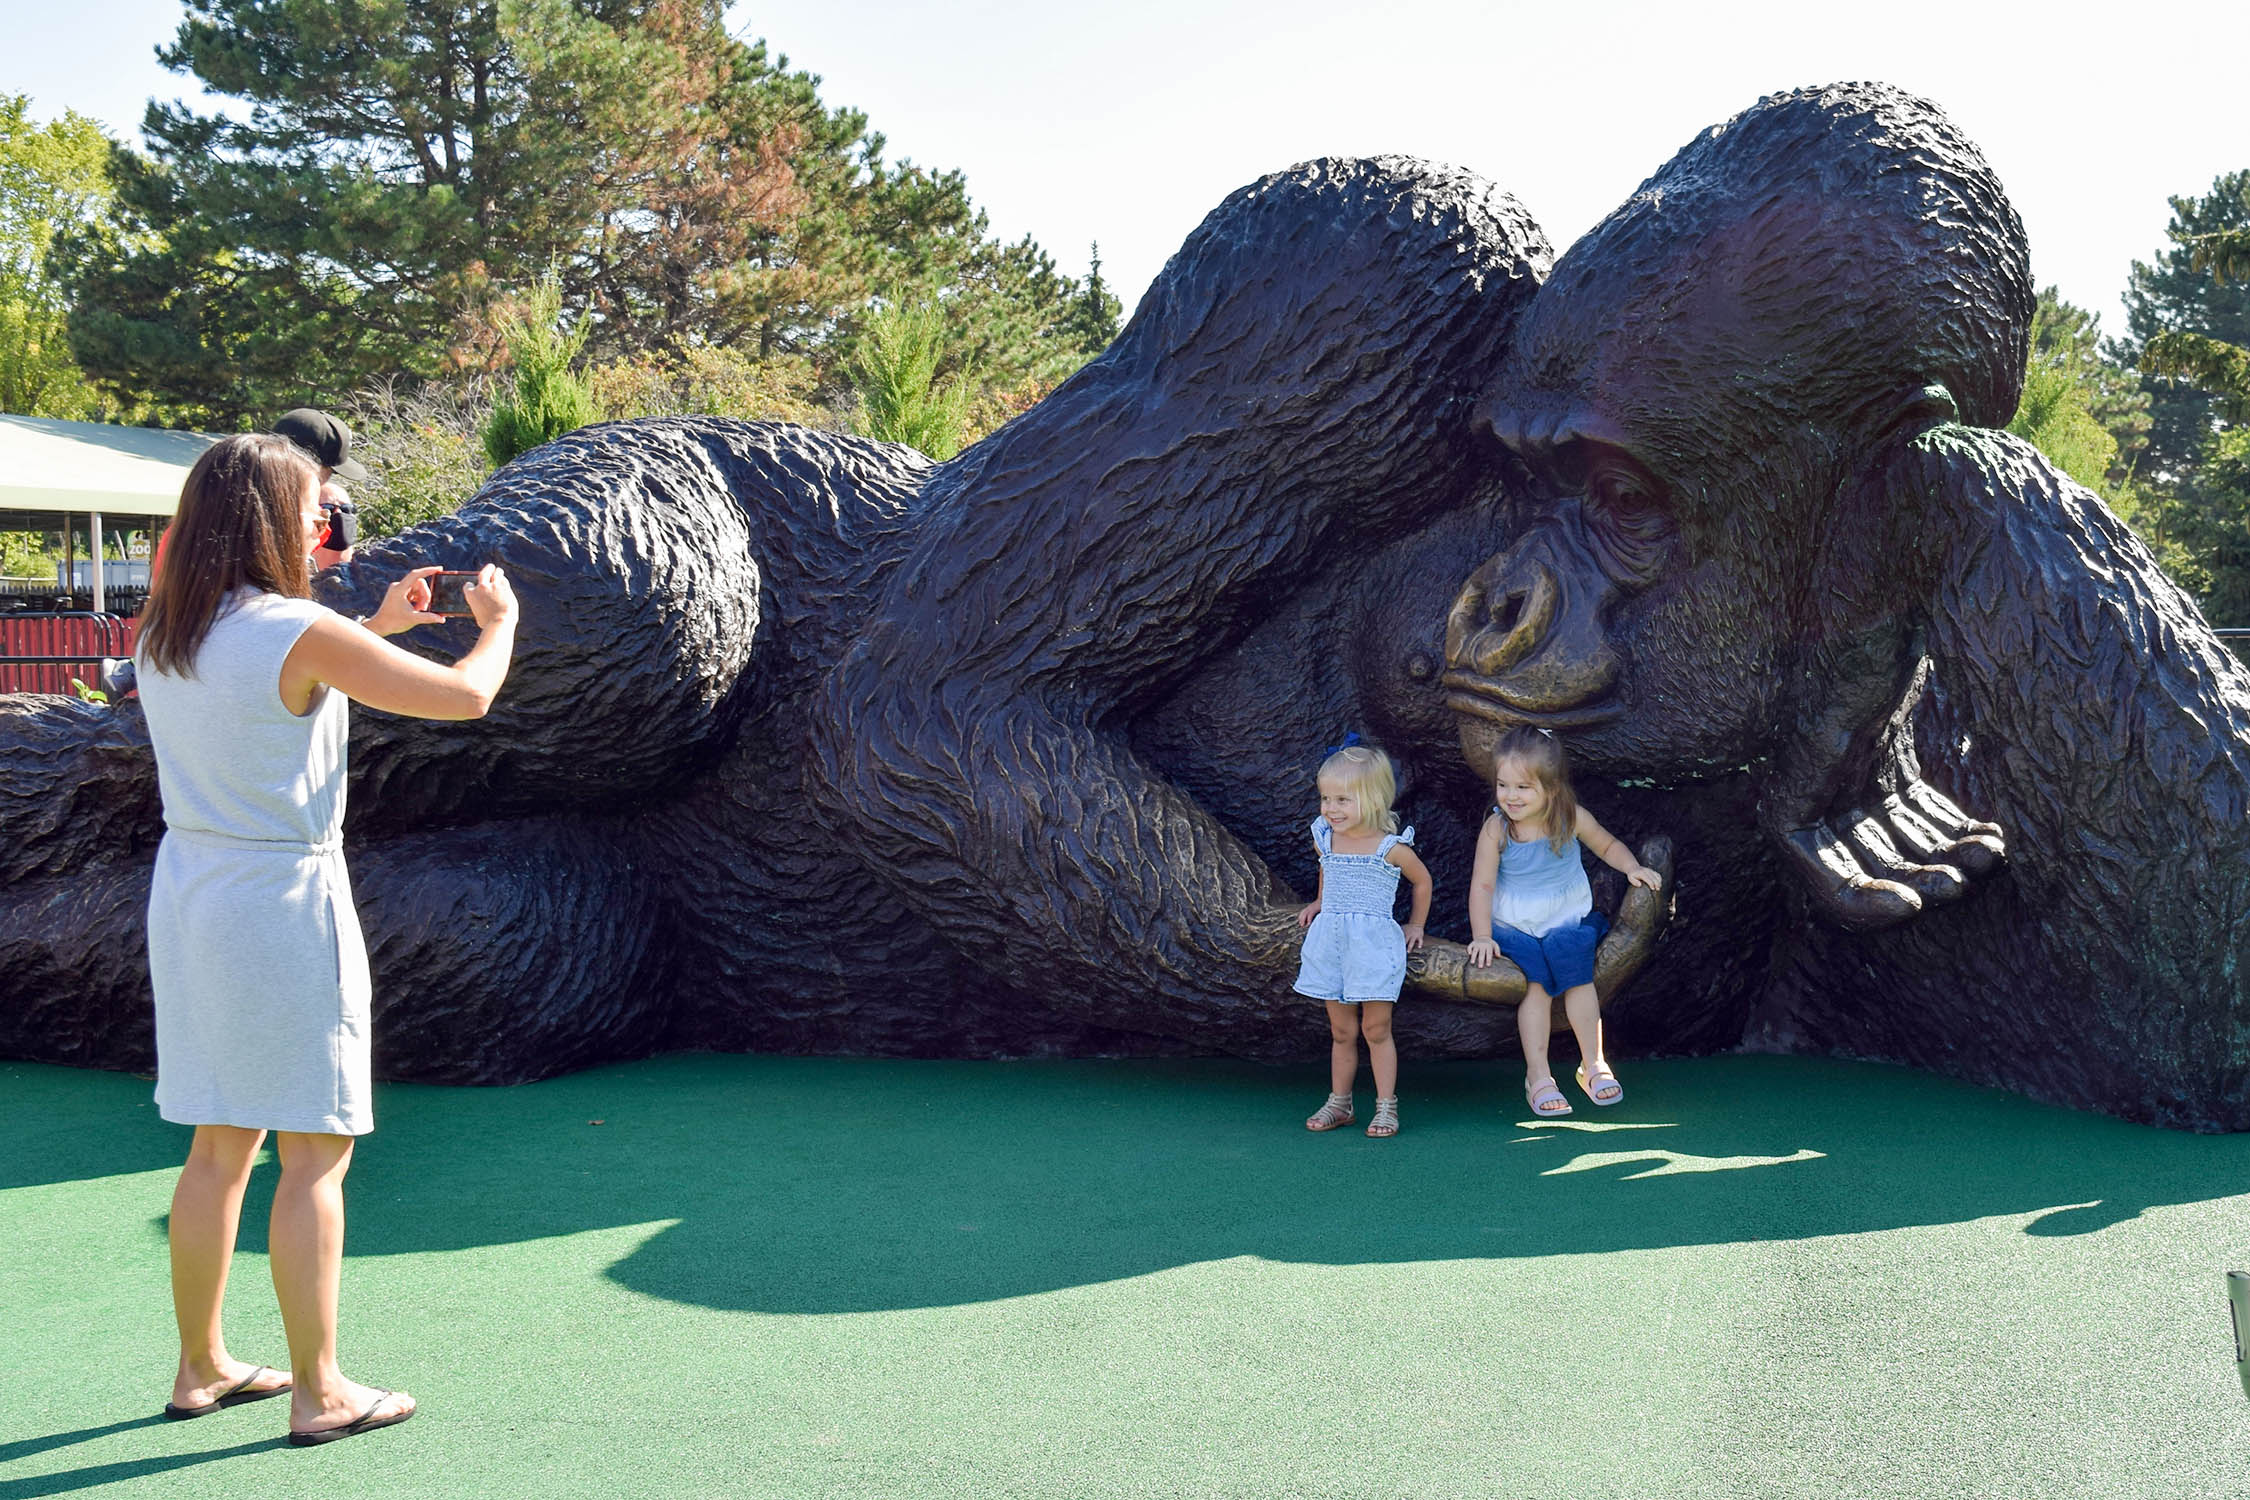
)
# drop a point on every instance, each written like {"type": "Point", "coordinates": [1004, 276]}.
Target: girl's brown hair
{"type": "Point", "coordinates": [1540, 753]}
{"type": "Point", "coordinates": [240, 524]}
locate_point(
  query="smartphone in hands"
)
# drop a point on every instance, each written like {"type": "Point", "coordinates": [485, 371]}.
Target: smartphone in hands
{"type": "Point", "coordinates": [446, 593]}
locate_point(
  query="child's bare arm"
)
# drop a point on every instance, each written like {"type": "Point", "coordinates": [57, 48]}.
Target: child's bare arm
{"type": "Point", "coordinates": [1611, 851]}
{"type": "Point", "coordinates": [1418, 876]}
{"type": "Point", "coordinates": [1484, 878]}
{"type": "Point", "coordinates": [1304, 918]}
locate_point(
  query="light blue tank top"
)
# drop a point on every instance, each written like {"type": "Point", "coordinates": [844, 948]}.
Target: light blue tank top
{"type": "Point", "coordinates": [1539, 890]}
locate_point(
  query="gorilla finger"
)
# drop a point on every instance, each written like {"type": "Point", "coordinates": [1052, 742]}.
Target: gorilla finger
{"type": "Point", "coordinates": [1442, 970]}
{"type": "Point", "coordinates": [1974, 845]}
{"type": "Point", "coordinates": [1842, 892]}
{"type": "Point", "coordinates": [1879, 856]}
{"type": "Point", "coordinates": [1975, 854]}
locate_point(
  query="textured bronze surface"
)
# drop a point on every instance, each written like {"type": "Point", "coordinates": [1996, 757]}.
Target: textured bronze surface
{"type": "Point", "coordinates": [814, 746]}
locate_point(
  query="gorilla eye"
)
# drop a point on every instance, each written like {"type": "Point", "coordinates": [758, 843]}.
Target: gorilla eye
{"type": "Point", "coordinates": [1628, 520]}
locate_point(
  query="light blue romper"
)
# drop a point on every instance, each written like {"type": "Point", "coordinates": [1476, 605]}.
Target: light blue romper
{"type": "Point", "coordinates": [1355, 949]}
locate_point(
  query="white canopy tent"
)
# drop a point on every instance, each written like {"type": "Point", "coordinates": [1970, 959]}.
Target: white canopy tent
{"type": "Point", "coordinates": [51, 468]}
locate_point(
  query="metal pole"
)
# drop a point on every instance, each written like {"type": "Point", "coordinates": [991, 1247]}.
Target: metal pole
{"type": "Point", "coordinates": [96, 550]}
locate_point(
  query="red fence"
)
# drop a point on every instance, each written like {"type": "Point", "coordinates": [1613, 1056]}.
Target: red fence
{"type": "Point", "coordinates": [79, 640]}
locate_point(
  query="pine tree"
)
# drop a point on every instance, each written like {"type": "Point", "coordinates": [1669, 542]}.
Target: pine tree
{"type": "Point", "coordinates": [545, 398]}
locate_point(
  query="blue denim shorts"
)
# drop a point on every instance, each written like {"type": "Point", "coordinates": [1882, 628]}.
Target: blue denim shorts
{"type": "Point", "coordinates": [1558, 960]}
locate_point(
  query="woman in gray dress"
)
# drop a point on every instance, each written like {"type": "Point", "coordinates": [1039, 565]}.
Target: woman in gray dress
{"type": "Point", "coordinates": [254, 946]}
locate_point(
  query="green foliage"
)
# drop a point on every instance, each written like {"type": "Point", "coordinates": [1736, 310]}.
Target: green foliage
{"type": "Point", "coordinates": [895, 375]}
{"type": "Point", "coordinates": [423, 449]}
{"type": "Point", "coordinates": [2225, 253]}
{"type": "Point", "coordinates": [2220, 369]}
{"type": "Point", "coordinates": [53, 180]}
{"type": "Point", "coordinates": [400, 162]}
{"type": "Point", "coordinates": [2060, 387]}
{"type": "Point", "coordinates": [25, 554]}
{"type": "Point", "coordinates": [2219, 531]}
{"type": "Point", "coordinates": [2189, 330]}
{"type": "Point", "coordinates": [2090, 416]}
{"type": "Point", "coordinates": [704, 380]}
{"type": "Point", "coordinates": [544, 398]}
{"type": "Point", "coordinates": [2173, 294]}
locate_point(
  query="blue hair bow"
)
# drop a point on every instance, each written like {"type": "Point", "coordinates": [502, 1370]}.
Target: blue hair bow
{"type": "Point", "coordinates": [1351, 738]}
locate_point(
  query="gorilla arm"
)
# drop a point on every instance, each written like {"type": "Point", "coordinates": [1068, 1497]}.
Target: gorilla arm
{"type": "Point", "coordinates": [1047, 853]}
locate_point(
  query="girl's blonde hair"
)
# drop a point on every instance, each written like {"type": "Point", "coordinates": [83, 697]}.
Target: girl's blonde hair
{"type": "Point", "coordinates": [1540, 753]}
{"type": "Point", "coordinates": [1367, 771]}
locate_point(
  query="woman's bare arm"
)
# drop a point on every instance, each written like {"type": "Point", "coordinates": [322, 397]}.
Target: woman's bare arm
{"type": "Point", "coordinates": [370, 670]}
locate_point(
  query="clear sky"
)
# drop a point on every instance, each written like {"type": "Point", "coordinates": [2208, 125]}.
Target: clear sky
{"type": "Point", "coordinates": [1125, 124]}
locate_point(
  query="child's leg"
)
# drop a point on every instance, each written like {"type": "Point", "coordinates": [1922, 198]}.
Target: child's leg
{"type": "Point", "coordinates": [1382, 1052]}
{"type": "Point", "coordinates": [1535, 1017]}
{"type": "Point", "coordinates": [1584, 1008]}
{"type": "Point", "coordinates": [1343, 1047]}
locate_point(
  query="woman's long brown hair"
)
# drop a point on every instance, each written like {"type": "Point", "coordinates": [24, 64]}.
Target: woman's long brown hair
{"type": "Point", "coordinates": [240, 524]}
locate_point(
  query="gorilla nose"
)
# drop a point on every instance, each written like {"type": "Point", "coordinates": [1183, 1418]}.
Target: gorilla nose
{"type": "Point", "coordinates": [1530, 635]}
{"type": "Point", "coordinates": [1494, 626]}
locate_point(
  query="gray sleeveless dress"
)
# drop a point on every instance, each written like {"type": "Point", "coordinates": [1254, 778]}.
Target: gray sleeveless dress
{"type": "Point", "coordinates": [254, 947]}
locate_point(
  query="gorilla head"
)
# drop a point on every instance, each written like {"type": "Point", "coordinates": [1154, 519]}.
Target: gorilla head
{"type": "Point", "coordinates": [1702, 389]}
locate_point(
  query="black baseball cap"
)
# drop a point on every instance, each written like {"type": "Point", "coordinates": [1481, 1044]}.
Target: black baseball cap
{"type": "Point", "coordinates": [328, 441]}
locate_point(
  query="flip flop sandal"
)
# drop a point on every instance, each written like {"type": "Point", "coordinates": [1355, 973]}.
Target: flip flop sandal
{"type": "Point", "coordinates": [366, 1421]}
{"type": "Point", "coordinates": [1331, 1116]}
{"type": "Point", "coordinates": [1386, 1118]}
{"type": "Point", "coordinates": [1546, 1099]}
{"type": "Point", "coordinates": [1593, 1082]}
{"type": "Point", "coordinates": [234, 1395]}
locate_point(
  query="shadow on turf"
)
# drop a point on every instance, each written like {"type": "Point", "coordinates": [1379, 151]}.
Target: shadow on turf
{"type": "Point", "coordinates": [838, 1185]}
{"type": "Point", "coordinates": [95, 1474]}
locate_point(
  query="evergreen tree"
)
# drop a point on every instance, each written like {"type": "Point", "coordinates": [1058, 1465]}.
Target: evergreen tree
{"type": "Point", "coordinates": [405, 164]}
{"type": "Point", "coordinates": [2188, 325]}
{"type": "Point", "coordinates": [2174, 295]}
{"type": "Point", "coordinates": [895, 375]}
{"type": "Point", "coordinates": [1091, 323]}
{"type": "Point", "coordinates": [545, 397]}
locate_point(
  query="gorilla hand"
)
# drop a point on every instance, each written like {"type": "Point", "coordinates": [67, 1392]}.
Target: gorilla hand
{"type": "Point", "coordinates": [1870, 842]}
{"type": "Point", "coordinates": [1442, 970]}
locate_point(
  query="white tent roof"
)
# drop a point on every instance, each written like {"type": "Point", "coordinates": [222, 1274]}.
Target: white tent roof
{"type": "Point", "coordinates": [47, 465]}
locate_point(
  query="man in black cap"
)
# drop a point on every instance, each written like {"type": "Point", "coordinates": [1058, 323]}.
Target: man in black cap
{"type": "Point", "coordinates": [328, 442]}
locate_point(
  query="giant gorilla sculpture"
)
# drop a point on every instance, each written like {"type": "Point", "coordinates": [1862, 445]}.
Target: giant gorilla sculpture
{"type": "Point", "coordinates": [815, 746]}
{"type": "Point", "coordinates": [1773, 529]}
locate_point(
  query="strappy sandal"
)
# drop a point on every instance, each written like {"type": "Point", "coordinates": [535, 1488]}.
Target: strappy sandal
{"type": "Point", "coordinates": [1592, 1083]}
{"type": "Point", "coordinates": [1337, 1112]}
{"type": "Point", "coordinates": [1386, 1117]}
{"type": "Point", "coordinates": [1546, 1099]}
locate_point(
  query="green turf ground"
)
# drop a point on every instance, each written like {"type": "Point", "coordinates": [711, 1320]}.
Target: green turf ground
{"type": "Point", "coordinates": [808, 1278]}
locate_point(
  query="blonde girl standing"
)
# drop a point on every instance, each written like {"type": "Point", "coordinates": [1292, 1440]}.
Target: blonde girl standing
{"type": "Point", "coordinates": [1355, 950]}
{"type": "Point", "coordinates": [1529, 899]}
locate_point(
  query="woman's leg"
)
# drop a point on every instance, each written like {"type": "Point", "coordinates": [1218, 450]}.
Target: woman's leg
{"type": "Point", "coordinates": [1382, 1052]}
{"type": "Point", "coordinates": [1343, 1047]}
{"type": "Point", "coordinates": [206, 1208]}
{"type": "Point", "coordinates": [1535, 1017]}
{"type": "Point", "coordinates": [308, 1265]}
